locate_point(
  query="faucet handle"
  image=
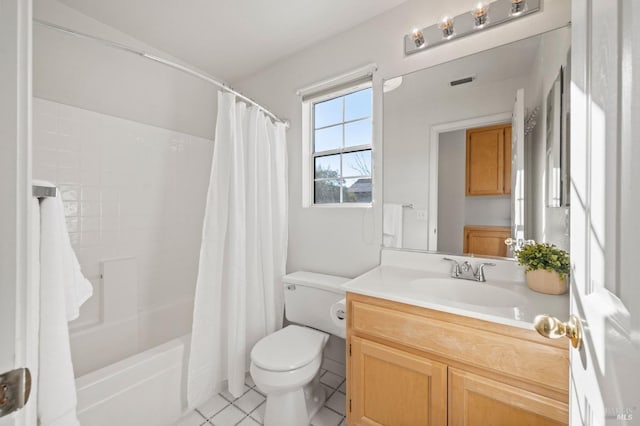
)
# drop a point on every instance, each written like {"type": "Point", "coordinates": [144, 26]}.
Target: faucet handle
{"type": "Point", "coordinates": [480, 272]}
{"type": "Point", "coordinates": [456, 266]}
{"type": "Point", "coordinates": [466, 266]}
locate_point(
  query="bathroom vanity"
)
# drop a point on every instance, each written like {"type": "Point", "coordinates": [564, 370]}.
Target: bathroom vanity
{"type": "Point", "coordinates": [426, 349]}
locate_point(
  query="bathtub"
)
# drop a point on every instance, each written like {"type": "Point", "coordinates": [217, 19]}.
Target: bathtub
{"type": "Point", "coordinates": [100, 345]}
{"type": "Point", "coordinates": [132, 372]}
{"type": "Point", "coordinates": [146, 389]}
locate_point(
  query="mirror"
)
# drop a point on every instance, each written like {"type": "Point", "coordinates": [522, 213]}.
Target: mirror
{"type": "Point", "coordinates": [476, 150]}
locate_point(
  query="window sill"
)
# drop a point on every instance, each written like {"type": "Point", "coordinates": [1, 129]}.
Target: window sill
{"type": "Point", "coordinates": [341, 206]}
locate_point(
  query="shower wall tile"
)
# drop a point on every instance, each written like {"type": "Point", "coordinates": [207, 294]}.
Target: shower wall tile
{"type": "Point", "coordinates": [120, 289]}
{"type": "Point", "coordinates": [129, 190]}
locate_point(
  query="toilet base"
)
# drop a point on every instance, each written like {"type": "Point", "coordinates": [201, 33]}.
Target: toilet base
{"type": "Point", "coordinates": [296, 407]}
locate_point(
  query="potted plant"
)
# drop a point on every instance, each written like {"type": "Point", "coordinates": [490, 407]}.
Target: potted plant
{"type": "Point", "coordinates": [547, 267]}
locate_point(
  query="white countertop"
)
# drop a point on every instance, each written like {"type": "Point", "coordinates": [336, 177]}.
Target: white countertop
{"type": "Point", "coordinates": [398, 283]}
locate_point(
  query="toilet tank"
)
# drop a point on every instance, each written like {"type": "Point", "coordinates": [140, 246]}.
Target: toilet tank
{"type": "Point", "coordinates": [308, 298]}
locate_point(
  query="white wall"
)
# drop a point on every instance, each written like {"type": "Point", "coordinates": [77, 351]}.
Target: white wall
{"type": "Point", "coordinates": [89, 75]}
{"type": "Point", "coordinates": [347, 241]}
{"type": "Point", "coordinates": [451, 190]}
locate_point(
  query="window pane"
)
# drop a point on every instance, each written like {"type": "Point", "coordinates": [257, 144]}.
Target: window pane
{"type": "Point", "coordinates": [327, 166]}
{"type": "Point", "coordinates": [327, 191]}
{"type": "Point", "coordinates": [358, 133]}
{"type": "Point", "coordinates": [357, 105]}
{"type": "Point", "coordinates": [327, 113]}
{"type": "Point", "coordinates": [329, 138]}
{"type": "Point", "coordinates": [357, 164]}
{"type": "Point", "coordinates": [357, 190]}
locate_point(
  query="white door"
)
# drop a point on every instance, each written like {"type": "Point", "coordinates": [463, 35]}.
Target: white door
{"type": "Point", "coordinates": [605, 201]}
{"type": "Point", "coordinates": [16, 317]}
{"type": "Point", "coordinates": [517, 168]}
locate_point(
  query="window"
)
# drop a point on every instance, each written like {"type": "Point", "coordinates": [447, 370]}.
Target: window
{"type": "Point", "coordinates": [340, 134]}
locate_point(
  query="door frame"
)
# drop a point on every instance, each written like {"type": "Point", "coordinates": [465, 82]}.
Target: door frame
{"type": "Point", "coordinates": [433, 145]}
{"type": "Point", "coordinates": [18, 276]}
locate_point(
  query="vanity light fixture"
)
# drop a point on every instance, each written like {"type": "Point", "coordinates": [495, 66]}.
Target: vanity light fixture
{"type": "Point", "coordinates": [445, 23]}
{"type": "Point", "coordinates": [518, 6]}
{"type": "Point", "coordinates": [417, 37]}
{"type": "Point", "coordinates": [483, 15]}
{"type": "Point", "coordinates": [480, 14]}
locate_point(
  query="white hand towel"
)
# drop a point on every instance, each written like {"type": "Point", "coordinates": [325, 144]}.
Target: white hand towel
{"type": "Point", "coordinates": [63, 289]}
{"type": "Point", "coordinates": [392, 225]}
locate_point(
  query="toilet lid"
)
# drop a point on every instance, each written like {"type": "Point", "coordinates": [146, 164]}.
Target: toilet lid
{"type": "Point", "coordinates": [288, 349]}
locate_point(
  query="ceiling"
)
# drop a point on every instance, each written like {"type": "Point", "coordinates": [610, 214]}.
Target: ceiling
{"type": "Point", "coordinates": [231, 39]}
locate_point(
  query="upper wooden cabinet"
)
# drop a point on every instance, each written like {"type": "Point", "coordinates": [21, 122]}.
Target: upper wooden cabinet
{"type": "Point", "coordinates": [489, 160]}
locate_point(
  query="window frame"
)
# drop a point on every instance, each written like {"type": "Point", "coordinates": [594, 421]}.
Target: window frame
{"type": "Point", "coordinates": [309, 154]}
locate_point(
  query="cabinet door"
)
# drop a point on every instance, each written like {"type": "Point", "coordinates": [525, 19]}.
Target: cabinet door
{"type": "Point", "coordinates": [486, 168]}
{"type": "Point", "coordinates": [394, 388]}
{"type": "Point", "coordinates": [486, 240]}
{"type": "Point", "coordinates": [479, 401]}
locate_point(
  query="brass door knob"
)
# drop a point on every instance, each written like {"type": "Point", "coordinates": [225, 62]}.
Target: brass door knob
{"type": "Point", "coordinates": [553, 328]}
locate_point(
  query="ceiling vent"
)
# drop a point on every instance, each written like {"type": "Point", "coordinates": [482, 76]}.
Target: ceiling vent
{"type": "Point", "coordinates": [461, 81]}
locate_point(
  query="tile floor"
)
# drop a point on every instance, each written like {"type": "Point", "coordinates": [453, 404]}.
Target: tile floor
{"type": "Point", "coordinates": [248, 410]}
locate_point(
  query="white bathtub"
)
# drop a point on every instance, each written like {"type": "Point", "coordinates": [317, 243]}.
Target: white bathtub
{"type": "Point", "coordinates": [131, 372]}
{"type": "Point", "coordinates": [146, 389]}
{"type": "Point", "coordinates": [101, 345]}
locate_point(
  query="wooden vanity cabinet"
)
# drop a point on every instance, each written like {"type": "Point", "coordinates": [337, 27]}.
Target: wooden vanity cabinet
{"type": "Point", "coordinates": [488, 164]}
{"type": "Point", "coordinates": [412, 366]}
{"type": "Point", "coordinates": [477, 400]}
{"type": "Point", "coordinates": [401, 388]}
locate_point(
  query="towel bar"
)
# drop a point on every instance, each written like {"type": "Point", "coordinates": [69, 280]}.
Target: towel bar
{"type": "Point", "coordinates": [44, 191]}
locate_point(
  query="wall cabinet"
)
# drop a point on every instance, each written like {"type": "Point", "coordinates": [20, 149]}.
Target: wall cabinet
{"type": "Point", "coordinates": [486, 240]}
{"type": "Point", "coordinates": [488, 170]}
{"type": "Point", "coordinates": [414, 366]}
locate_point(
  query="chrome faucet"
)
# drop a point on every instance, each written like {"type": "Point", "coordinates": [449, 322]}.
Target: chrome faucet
{"type": "Point", "coordinates": [465, 270]}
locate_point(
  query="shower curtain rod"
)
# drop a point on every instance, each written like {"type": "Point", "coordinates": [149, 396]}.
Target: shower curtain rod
{"type": "Point", "coordinates": [163, 61]}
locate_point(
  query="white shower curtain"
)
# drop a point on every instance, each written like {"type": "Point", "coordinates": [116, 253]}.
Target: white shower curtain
{"type": "Point", "coordinates": [239, 298]}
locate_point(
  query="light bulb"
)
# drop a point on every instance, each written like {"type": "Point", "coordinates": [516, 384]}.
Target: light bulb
{"type": "Point", "coordinates": [518, 6]}
{"type": "Point", "coordinates": [418, 37]}
{"type": "Point", "coordinates": [480, 13]}
{"type": "Point", "coordinates": [445, 23]}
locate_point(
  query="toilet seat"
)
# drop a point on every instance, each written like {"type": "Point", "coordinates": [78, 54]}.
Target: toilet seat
{"type": "Point", "coordinates": [288, 349]}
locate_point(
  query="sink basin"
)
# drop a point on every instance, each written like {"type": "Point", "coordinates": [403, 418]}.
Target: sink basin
{"type": "Point", "coordinates": [467, 292]}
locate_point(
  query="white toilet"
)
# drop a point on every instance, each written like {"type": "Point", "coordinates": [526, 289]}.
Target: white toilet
{"type": "Point", "coordinates": [285, 365]}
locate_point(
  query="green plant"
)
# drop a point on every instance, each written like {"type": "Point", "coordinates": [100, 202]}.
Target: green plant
{"type": "Point", "coordinates": [544, 256]}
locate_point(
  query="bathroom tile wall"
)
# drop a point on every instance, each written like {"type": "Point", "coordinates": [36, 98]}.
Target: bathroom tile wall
{"type": "Point", "coordinates": [130, 190]}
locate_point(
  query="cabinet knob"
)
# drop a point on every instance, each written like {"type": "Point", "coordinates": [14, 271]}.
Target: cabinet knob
{"type": "Point", "coordinates": [552, 328]}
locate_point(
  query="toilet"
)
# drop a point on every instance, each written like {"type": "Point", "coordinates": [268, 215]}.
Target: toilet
{"type": "Point", "coordinates": [285, 365]}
